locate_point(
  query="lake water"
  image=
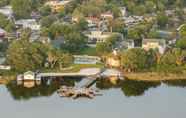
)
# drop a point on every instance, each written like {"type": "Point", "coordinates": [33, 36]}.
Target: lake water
{"type": "Point", "coordinates": [124, 99]}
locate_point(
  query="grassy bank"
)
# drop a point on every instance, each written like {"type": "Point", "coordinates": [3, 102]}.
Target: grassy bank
{"type": "Point", "coordinates": [75, 68]}
{"type": "Point", "coordinates": [155, 76]}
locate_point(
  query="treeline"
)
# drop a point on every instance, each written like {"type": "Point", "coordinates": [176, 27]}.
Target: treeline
{"type": "Point", "coordinates": [137, 59]}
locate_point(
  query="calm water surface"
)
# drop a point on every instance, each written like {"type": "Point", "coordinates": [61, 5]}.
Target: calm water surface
{"type": "Point", "coordinates": [127, 99]}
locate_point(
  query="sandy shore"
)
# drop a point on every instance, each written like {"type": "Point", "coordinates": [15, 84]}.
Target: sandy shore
{"type": "Point", "coordinates": [154, 76]}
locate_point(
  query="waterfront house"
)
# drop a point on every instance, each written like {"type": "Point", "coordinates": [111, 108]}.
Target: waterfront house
{"type": "Point", "coordinates": [29, 75]}
{"type": "Point", "coordinates": [159, 44]}
{"type": "Point", "coordinates": [28, 23]}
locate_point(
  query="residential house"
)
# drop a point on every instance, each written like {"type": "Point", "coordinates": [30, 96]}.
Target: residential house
{"type": "Point", "coordinates": [3, 66]}
{"type": "Point", "coordinates": [29, 75]}
{"type": "Point", "coordinates": [133, 20]}
{"type": "Point", "coordinates": [98, 36]}
{"type": "Point", "coordinates": [3, 33]}
{"type": "Point", "coordinates": [127, 44]}
{"type": "Point", "coordinates": [107, 15]}
{"type": "Point", "coordinates": [28, 23]}
{"type": "Point", "coordinates": [57, 5]}
{"type": "Point", "coordinates": [93, 21]}
{"type": "Point", "coordinates": [159, 44]}
{"type": "Point", "coordinates": [7, 11]}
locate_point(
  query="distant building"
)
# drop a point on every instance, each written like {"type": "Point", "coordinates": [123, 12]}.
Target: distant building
{"type": "Point", "coordinates": [7, 11]}
{"type": "Point", "coordinates": [28, 23]}
{"type": "Point", "coordinates": [3, 66]}
{"type": "Point", "coordinates": [98, 36]}
{"type": "Point", "coordinates": [133, 20]}
{"type": "Point", "coordinates": [57, 5]}
{"type": "Point", "coordinates": [159, 44]}
{"type": "Point", "coordinates": [2, 33]}
{"type": "Point", "coordinates": [29, 75]}
{"type": "Point", "coordinates": [107, 15]}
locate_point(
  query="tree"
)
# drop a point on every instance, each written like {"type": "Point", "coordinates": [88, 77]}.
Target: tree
{"type": "Point", "coordinates": [181, 43]}
{"type": "Point", "coordinates": [59, 59]}
{"type": "Point", "coordinates": [47, 21]}
{"type": "Point", "coordinates": [162, 19]}
{"type": "Point", "coordinates": [74, 41]}
{"type": "Point", "coordinates": [23, 55]}
{"type": "Point", "coordinates": [82, 24]}
{"type": "Point", "coordinates": [106, 47]}
{"type": "Point", "coordinates": [3, 2]}
{"type": "Point", "coordinates": [174, 57]}
{"type": "Point", "coordinates": [21, 8]}
{"type": "Point", "coordinates": [136, 59]}
{"type": "Point", "coordinates": [45, 10]}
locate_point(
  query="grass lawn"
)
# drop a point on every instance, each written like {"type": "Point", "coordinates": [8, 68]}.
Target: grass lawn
{"type": "Point", "coordinates": [91, 51]}
{"type": "Point", "coordinates": [75, 68]}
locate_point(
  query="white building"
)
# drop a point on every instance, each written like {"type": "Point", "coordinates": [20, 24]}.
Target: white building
{"type": "Point", "coordinates": [7, 11]}
{"type": "Point", "coordinates": [29, 75]}
{"type": "Point", "coordinates": [98, 36]}
{"type": "Point", "coordinates": [159, 44]}
{"type": "Point", "coordinates": [28, 23]}
{"type": "Point", "coordinates": [133, 20]}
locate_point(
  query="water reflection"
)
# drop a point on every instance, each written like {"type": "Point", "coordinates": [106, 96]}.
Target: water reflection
{"type": "Point", "coordinates": [137, 88]}
{"type": "Point", "coordinates": [176, 83]}
{"type": "Point", "coordinates": [26, 90]}
{"type": "Point", "coordinates": [128, 87]}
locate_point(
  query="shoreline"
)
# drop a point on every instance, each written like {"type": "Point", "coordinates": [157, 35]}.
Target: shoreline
{"type": "Point", "coordinates": [154, 76]}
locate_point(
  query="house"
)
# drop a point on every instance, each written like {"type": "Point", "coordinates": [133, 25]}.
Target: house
{"type": "Point", "coordinates": [29, 75]}
{"type": "Point", "coordinates": [7, 11]}
{"type": "Point", "coordinates": [28, 23]}
{"type": "Point", "coordinates": [2, 64]}
{"type": "Point", "coordinates": [133, 20]}
{"type": "Point", "coordinates": [93, 21]}
{"type": "Point", "coordinates": [107, 15]}
{"type": "Point", "coordinates": [98, 36]}
{"type": "Point", "coordinates": [159, 44]}
{"type": "Point", "coordinates": [127, 44]}
{"type": "Point", "coordinates": [2, 33]}
{"type": "Point", "coordinates": [57, 5]}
